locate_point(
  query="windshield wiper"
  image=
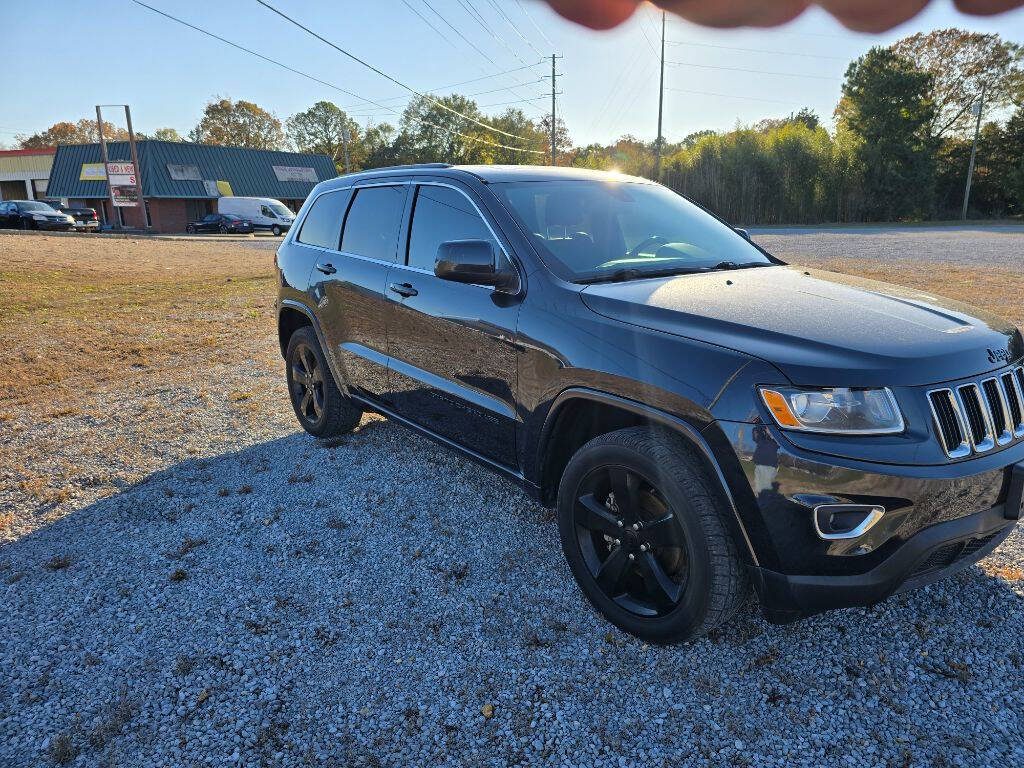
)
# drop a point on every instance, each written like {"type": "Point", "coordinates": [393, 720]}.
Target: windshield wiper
{"type": "Point", "coordinates": [631, 273]}
{"type": "Point", "coordinates": [748, 265]}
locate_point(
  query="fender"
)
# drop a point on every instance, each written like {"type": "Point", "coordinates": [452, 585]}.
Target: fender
{"type": "Point", "coordinates": [313, 321]}
{"type": "Point", "coordinates": [674, 423]}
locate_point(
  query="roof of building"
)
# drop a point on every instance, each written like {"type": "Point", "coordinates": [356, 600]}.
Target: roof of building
{"type": "Point", "coordinates": [32, 151]}
{"type": "Point", "coordinates": [185, 170]}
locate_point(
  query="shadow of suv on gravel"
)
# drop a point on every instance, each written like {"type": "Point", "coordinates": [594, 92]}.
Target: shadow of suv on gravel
{"type": "Point", "coordinates": [703, 416]}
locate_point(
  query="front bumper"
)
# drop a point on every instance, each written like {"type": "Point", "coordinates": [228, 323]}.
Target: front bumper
{"type": "Point", "coordinates": [56, 226]}
{"type": "Point", "coordinates": [933, 554]}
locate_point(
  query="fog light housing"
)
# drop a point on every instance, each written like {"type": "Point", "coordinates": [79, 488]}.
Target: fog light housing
{"type": "Point", "coordinates": [833, 522]}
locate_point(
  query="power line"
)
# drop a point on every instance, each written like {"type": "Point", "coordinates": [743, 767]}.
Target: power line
{"type": "Point", "coordinates": [728, 96]}
{"type": "Point", "coordinates": [329, 85]}
{"type": "Point", "coordinates": [479, 19]}
{"type": "Point", "coordinates": [386, 76]}
{"type": "Point", "coordinates": [427, 22]}
{"type": "Point", "coordinates": [457, 32]}
{"type": "Point", "coordinates": [755, 50]}
{"type": "Point", "coordinates": [755, 71]}
{"type": "Point", "coordinates": [535, 25]}
{"type": "Point", "coordinates": [505, 16]}
{"type": "Point", "coordinates": [465, 95]}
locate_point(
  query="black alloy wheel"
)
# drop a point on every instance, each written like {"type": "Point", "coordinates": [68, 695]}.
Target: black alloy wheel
{"type": "Point", "coordinates": [320, 407]}
{"type": "Point", "coordinates": [223, 229]}
{"type": "Point", "coordinates": [189, 229]}
{"type": "Point", "coordinates": [631, 541]}
{"type": "Point", "coordinates": [644, 529]}
{"type": "Point", "coordinates": [306, 383]}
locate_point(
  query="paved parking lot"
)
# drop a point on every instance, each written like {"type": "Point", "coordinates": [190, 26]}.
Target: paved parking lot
{"type": "Point", "coordinates": [189, 580]}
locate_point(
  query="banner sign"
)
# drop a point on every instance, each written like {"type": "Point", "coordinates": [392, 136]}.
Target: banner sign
{"type": "Point", "coordinates": [125, 197]}
{"type": "Point", "coordinates": [184, 172]}
{"type": "Point", "coordinates": [92, 172]}
{"type": "Point", "coordinates": [211, 188]}
{"type": "Point", "coordinates": [295, 173]}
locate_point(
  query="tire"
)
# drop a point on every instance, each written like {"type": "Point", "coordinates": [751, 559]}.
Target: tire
{"type": "Point", "coordinates": [223, 229]}
{"type": "Point", "coordinates": [275, 231]}
{"type": "Point", "coordinates": [189, 229]}
{"type": "Point", "coordinates": [327, 413]}
{"type": "Point", "coordinates": [689, 579]}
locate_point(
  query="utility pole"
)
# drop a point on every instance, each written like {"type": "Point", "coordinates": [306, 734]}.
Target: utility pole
{"type": "Point", "coordinates": [554, 152]}
{"type": "Point", "coordinates": [974, 150]}
{"type": "Point", "coordinates": [344, 144]}
{"type": "Point", "coordinates": [138, 171]}
{"type": "Point", "coordinates": [114, 221]}
{"type": "Point", "coordinates": [661, 104]}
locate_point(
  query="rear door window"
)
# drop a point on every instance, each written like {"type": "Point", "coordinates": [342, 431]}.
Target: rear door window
{"type": "Point", "coordinates": [322, 225]}
{"type": "Point", "coordinates": [442, 214]}
{"type": "Point", "coordinates": [373, 222]}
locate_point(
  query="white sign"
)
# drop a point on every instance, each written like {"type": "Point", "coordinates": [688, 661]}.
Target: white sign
{"type": "Point", "coordinates": [211, 188]}
{"type": "Point", "coordinates": [121, 175]}
{"type": "Point", "coordinates": [184, 172]}
{"type": "Point", "coordinates": [124, 197]}
{"type": "Point", "coordinates": [295, 173]}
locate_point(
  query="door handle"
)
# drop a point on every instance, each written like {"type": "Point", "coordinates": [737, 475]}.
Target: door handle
{"type": "Point", "coordinates": [403, 289]}
{"type": "Point", "coordinates": [327, 269]}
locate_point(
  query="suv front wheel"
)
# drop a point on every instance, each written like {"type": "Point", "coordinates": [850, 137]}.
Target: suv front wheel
{"type": "Point", "coordinates": [642, 528]}
{"type": "Point", "coordinates": [319, 405]}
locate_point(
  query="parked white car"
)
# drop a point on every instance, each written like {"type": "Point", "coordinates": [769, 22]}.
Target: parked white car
{"type": "Point", "coordinates": [264, 212]}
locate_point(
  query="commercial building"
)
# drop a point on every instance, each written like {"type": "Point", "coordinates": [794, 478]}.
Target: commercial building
{"type": "Point", "coordinates": [24, 173]}
{"type": "Point", "coordinates": [182, 181]}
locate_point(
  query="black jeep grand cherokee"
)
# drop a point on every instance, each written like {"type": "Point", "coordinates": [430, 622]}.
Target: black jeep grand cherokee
{"type": "Point", "coordinates": [703, 416]}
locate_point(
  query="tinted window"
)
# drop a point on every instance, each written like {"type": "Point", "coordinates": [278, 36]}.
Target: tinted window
{"type": "Point", "coordinates": [371, 228]}
{"type": "Point", "coordinates": [443, 214]}
{"type": "Point", "coordinates": [322, 225]}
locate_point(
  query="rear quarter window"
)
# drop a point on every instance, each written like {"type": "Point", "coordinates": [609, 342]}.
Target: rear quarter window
{"type": "Point", "coordinates": [322, 225]}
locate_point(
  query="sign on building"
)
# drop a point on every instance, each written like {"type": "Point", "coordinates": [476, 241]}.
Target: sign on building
{"type": "Point", "coordinates": [92, 172]}
{"type": "Point", "coordinates": [295, 173]}
{"type": "Point", "coordinates": [122, 180]}
{"type": "Point", "coordinates": [184, 172]}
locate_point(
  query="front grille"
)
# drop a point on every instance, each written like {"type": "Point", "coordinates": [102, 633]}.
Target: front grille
{"type": "Point", "coordinates": [976, 417]}
{"type": "Point", "coordinates": [946, 555]}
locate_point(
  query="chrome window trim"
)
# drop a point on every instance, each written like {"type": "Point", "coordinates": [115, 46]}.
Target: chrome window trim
{"type": "Point", "coordinates": [1007, 435]}
{"type": "Point", "coordinates": [964, 449]}
{"type": "Point", "coordinates": [988, 441]}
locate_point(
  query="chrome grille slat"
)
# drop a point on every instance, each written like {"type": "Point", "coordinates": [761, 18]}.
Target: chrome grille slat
{"type": "Point", "coordinates": [1015, 400]}
{"type": "Point", "coordinates": [980, 415]}
{"type": "Point", "coordinates": [997, 410]}
{"type": "Point", "coordinates": [979, 426]}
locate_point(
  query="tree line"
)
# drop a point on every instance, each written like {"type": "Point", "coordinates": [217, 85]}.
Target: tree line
{"type": "Point", "coordinates": [900, 149]}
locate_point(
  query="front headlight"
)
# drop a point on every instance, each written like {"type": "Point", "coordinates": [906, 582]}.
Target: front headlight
{"type": "Point", "coordinates": [836, 410]}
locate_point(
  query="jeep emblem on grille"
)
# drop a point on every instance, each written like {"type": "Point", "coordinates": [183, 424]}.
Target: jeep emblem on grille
{"type": "Point", "coordinates": [999, 355]}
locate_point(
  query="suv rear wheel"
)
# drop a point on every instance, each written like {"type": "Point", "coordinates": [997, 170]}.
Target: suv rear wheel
{"type": "Point", "coordinates": [319, 405]}
{"type": "Point", "coordinates": [642, 528]}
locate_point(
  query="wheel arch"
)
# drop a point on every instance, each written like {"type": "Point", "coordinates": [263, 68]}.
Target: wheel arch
{"type": "Point", "coordinates": [614, 412]}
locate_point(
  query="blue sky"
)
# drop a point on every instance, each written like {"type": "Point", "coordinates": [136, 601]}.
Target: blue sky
{"type": "Point", "coordinates": [72, 55]}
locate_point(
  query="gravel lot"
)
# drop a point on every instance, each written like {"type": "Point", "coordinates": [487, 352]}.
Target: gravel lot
{"type": "Point", "coordinates": [188, 580]}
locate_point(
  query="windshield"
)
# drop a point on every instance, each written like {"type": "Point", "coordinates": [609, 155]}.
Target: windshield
{"type": "Point", "coordinates": [34, 206]}
{"type": "Point", "coordinates": [280, 210]}
{"type": "Point", "coordinates": [594, 230]}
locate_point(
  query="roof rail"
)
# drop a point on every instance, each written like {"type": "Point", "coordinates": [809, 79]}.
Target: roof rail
{"type": "Point", "coordinates": [405, 167]}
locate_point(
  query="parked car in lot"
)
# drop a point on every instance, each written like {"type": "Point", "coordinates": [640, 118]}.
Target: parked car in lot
{"type": "Point", "coordinates": [32, 214]}
{"type": "Point", "coordinates": [86, 219]}
{"type": "Point", "coordinates": [704, 417]}
{"type": "Point", "coordinates": [225, 223]}
{"type": "Point", "coordinates": [265, 213]}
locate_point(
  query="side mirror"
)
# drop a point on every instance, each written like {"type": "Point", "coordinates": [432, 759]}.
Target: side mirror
{"type": "Point", "coordinates": [743, 232]}
{"type": "Point", "coordinates": [474, 262]}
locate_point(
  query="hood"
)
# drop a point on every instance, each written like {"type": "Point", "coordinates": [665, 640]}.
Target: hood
{"type": "Point", "coordinates": [820, 328]}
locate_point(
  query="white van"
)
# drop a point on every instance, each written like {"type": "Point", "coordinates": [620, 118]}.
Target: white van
{"type": "Point", "coordinates": [263, 212]}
